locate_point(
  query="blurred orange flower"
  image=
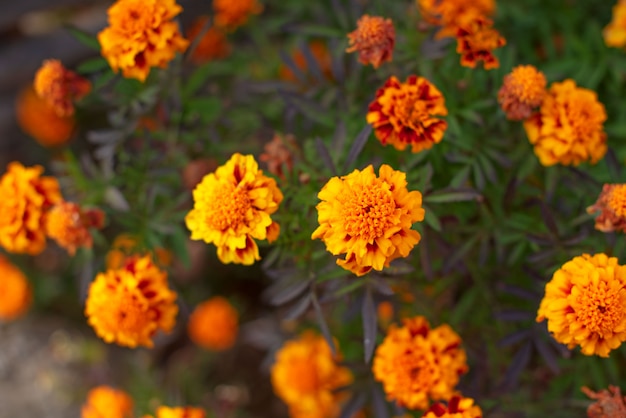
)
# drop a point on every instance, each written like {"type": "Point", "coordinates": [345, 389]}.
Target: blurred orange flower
{"type": "Point", "coordinates": [106, 402]}
{"type": "Point", "coordinates": [214, 324]}
{"type": "Point", "coordinates": [476, 40]}
{"type": "Point", "coordinates": [615, 32]}
{"type": "Point", "coordinates": [68, 224]}
{"type": "Point", "coordinates": [374, 39]}
{"type": "Point", "coordinates": [125, 246]}
{"type": "Point", "coordinates": [522, 91]}
{"type": "Point", "coordinates": [40, 121]}
{"type": "Point", "coordinates": [230, 14]}
{"type": "Point", "coordinates": [612, 207]}
{"type": "Point", "coordinates": [15, 291]}
{"type": "Point", "coordinates": [278, 154]}
{"type": "Point", "coordinates": [320, 54]}
{"type": "Point", "coordinates": [450, 14]}
{"type": "Point", "coordinates": [212, 46]}
{"type": "Point", "coordinates": [457, 407]}
{"type": "Point", "coordinates": [178, 412]}
{"type": "Point", "coordinates": [60, 87]}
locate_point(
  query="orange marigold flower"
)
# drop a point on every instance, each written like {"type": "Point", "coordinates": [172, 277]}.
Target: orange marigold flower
{"type": "Point", "coordinates": [60, 87]}
{"type": "Point", "coordinates": [214, 324]}
{"type": "Point", "coordinates": [126, 246]}
{"type": "Point", "coordinates": [141, 35]}
{"type": "Point", "coordinates": [320, 54]}
{"type": "Point", "coordinates": [68, 224]}
{"type": "Point", "coordinates": [374, 39]}
{"type": "Point", "coordinates": [450, 14]}
{"type": "Point", "coordinates": [231, 14]}
{"type": "Point", "coordinates": [612, 207]}
{"type": "Point", "coordinates": [405, 114]}
{"type": "Point", "coordinates": [368, 218]}
{"type": "Point", "coordinates": [457, 407]}
{"type": "Point", "coordinates": [615, 32]}
{"type": "Point", "coordinates": [15, 291]}
{"type": "Point", "coordinates": [178, 412]}
{"type": "Point", "coordinates": [584, 304]}
{"type": "Point", "coordinates": [40, 121]}
{"type": "Point", "coordinates": [25, 197]}
{"type": "Point", "coordinates": [212, 46]}
{"type": "Point", "coordinates": [609, 403]}
{"type": "Point", "coordinates": [416, 363]}
{"type": "Point", "coordinates": [233, 207]}
{"type": "Point", "coordinates": [306, 377]}
{"type": "Point", "coordinates": [278, 154]}
{"type": "Point", "coordinates": [130, 304]}
{"type": "Point", "coordinates": [523, 89]}
{"type": "Point", "coordinates": [476, 40]}
{"type": "Point", "coordinates": [104, 401]}
{"type": "Point", "coordinates": [568, 129]}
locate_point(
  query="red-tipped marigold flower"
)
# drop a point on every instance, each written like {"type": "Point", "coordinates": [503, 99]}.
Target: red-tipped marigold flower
{"type": "Point", "coordinates": [214, 324]}
{"type": "Point", "coordinates": [233, 208]}
{"type": "Point", "coordinates": [141, 35]}
{"type": "Point", "coordinates": [609, 403]}
{"type": "Point", "coordinates": [373, 39]}
{"type": "Point", "coordinates": [368, 218]}
{"type": "Point", "coordinates": [522, 91]}
{"type": "Point", "coordinates": [278, 154]}
{"type": "Point", "coordinates": [60, 87]}
{"type": "Point", "coordinates": [25, 197]}
{"type": "Point", "coordinates": [231, 14]}
{"type": "Point", "coordinates": [404, 114]}
{"type": "Point", "coordinates": [129, 305]}
{"type": "Point", "coordinates": [15, 291]}
{"type": "Point", "coordinates": [615, 32]}
{"type": "Point", "coordinates": [40, 121]}
{"type": "Point", "coordinates": [612, 207]}
{"type": "Point", "coordinates": [68, 224]}
{"type": "Point", "coordinates": [568, 129]}
{"type": "Point", "coordinates": [456, 407]}
{"type": "Point", "coordinates": [416, 363]}
{"type": "Point", "coordinates": [104, 401]}
{"type": "Point", "coordinates": [178, 412]}
{"type": "Point", "coordinates": [213, 44]}
{"type": "Point", "coordinates": [450, 14]}
{"type": "Point", "coordinates": [584, 304]}
{"type": "Point", "coordinates": [476, 40]}
{"type": "Point", "coordinates": [306, 377]}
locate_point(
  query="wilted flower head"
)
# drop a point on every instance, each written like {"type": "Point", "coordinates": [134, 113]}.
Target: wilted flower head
{"type": "Point", "coordinates": [404, 114]}
{"type": "Point", "coordinates": [129, 305]}
{"type": "Point", "coordinates": [416, 363]}
{"type": "Point", "coordinates": [15, 291]}
{"type": "Point", "coordinates": [39, 120]}
{"type": "Point", "coordinates": [568, 129]}
{"type": "Point", "coordinates": [450, 14]}
{"type": "Point", "coordinates": [25, 197]}
{"type": "Point", "coordinates": [612, 207]}
{"type": "Point", "coordinates": [278, 154]}
{"type": "Point", "coordinates": [214, 324]}
{"type": "Point", "coordinates": [373, 39]}
{"type": "Point", "coordinates": [615, 32]}
{"type": "Point", "coordinates": [306, 377]}
{"type": "Point", "coordinates": [476, 40]}
{"type": "Point", "coordinates": [68, 224]}
{"type": "Point", "coordinates": [233, 208]}
{"type": "Point", "coordinates": [60, 87]}
{"type": "Point", "coordinates": [585, 304]}
{"type": "Point", "coordinates": [230, 14]}
{"type": "Point", "coordinates": [178, 412]}
{"type": "Point", "coordinates": [368, 218]}
{"type": "Point", "coordinates": [609, 403]}
{"type": "Point", "coordinates": [522, 91]}
{"type": "Point", "coordinates": [104, 401]}
{"type": "Point", "coordinates": [456, 407]}
{"type": "Point", "coordinates": [212, 46]}
{"type": "Point", "coordinates": [141, 35]}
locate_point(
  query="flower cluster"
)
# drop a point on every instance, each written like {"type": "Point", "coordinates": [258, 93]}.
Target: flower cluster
{"type": "Point", "coordinates": [214, 324]}
{"type": "Point", "coordinates": [15, 291]}
{"type": "Point", "coordinates": [416, 363]}
{"type": "Point", "coordinates": [476, 40]}
{"type": "Point", "coordinates": [105, 401]}
{"type": "Point", "coordinates": [60, 87]}
{"type": "Point", "coordinates": [456, 407]}
{"type": "Point", "coordinates": [522, 91]}
{"type": "Point", "coordinates": [68, 224]}
{"type": "Point", "coordinates": [374, 39]}
{"type": "Point", "coordinates": [612, 207]}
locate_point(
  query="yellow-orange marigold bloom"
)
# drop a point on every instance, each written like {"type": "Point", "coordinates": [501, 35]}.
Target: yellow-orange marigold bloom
{"type": "Point", "coordinates": [212, 46]}
{"type": "Point", "coordinates": [68, 224]}
{"type": "Point", "coordinates": [456, 407]}
{"type": "Point", "coordinates": [231, 14]}
{"type": "Point", "coordinates": [126, 246]}
{"type": "Point", "coordinates": [214, 324]}
{"type": "Point", "coordinates": [306, 376]}
{"type": "Point", "coordinates": [416, 363]}
{"type": "Point", "coordinates": [107, 402]}
{"type": "Point", "coordinates": [585, 304]}
{"type": "Point", "coordinates": [450, 14]}
{"type": "Point", "coordinates": [404, 114]}
{"type": "Point", "coordinates": [476, 40]}
{"type": "Point", "coordinates": [522, 91]}
{"type": "Point", "coordinates": [15, 291]}
{"type": "Point", "coordinates": [233, 207]}
{"type": "Point", "coordinates": [278, 154]}
{"type": "Point", "coordinates": [368, 218]}
{"type": "Point", "coordinates": [178, 412]}
{"type": "Point", "coordinates": [568, 129]}
{"type": "Point", "coordinates": [25, 197]}
{"type": "Point", "coordinates": [612, 207]}
{"type": "Point", "coordinates": [40, 121]}
{"type": "Point", "coordinates": [615, 32]}
{"type": "Point", "coordinates": [374, 39]}
{"type": "Point", "coordinates": [129, 305]}
{"type": "Point", "coordinates": [60, 87]}
{"type": "Point", "coordinates": [141, 35]}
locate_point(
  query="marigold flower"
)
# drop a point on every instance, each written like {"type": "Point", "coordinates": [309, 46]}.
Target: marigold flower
{"type": "Point", "coordinates": [523, 89]}
{"type": "Point", "coordinates": [232, 208]}
{"type": "Point", "coordinates": [306, 377]}
{"type": "Point", "coordinates": [231, 14]}
{"type": "Point", "coordinates": [278, 154]}
{"type": "Point", "coordinates": [178, 412]}
{"type": "Point", "coordinates": [416, 363]}
{"type": "Point", "coordinates": [126, 246]}
{"type": "Point", "coordinates": [212, 46]}
{"type": "Point", "coordinates": [374, 39]}
{"type": "Point", "coordinates": [214, 324]}
{"type": "Point", "coordinates": [15, 291]}
{"type": "Point", "coordinates": [609, 403]}
{"type": "Point", "coordinates": [615, 32]}
{"type": "Point", "coordinates": [60, 87]}
{"type": "Point", "coordinates": [40, 121]}
{"type": "Point", "coordinates": [476, 40]}
{"type": "Point", "coordinates": [25, 197]}
{"type": "Point", "coordinates": [569, 127]}
{"type": "Point", "coordinates": [450, 14]}
{"type": "Point", "coordinates": [130, 304]}
{"type": "Point", "coordinates": [68, 224]}
{"type": "Point", "coordinates": [141, 35]}
{"type": "Point", "coordinates": [612, 207]}
{"type": "Point", "coordinates": [104, 401]}
{"type": "Point", "coordinates": [457, 407]}
{"type": "Point", "coordinates": [320, 54]}
{"type": "Point", "coordinates": [404, 114]}
{"type": "Point", "coordinates": [368, 218]}
{"type": "Point", "coordinates": [584, 304]}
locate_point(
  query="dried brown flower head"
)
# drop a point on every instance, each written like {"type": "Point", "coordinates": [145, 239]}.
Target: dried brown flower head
{"type": "Point", "coordinates": [374, 39]}
{"type": "Point", "coordinates": [612, 207]}
{"type": "Point", "coordinates": [609, 403]}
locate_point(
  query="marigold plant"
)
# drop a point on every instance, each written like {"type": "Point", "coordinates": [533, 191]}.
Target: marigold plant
{"type": "Point", "coordinates": [476, 41]}
{"type": "Point", "coordinates": [612, 207]}
{"type": "Point", "coordinates": [214, 324]}
{"type": "Point", "coordinates": [373, 39]}
{"type": "Point", "coordinates": [522, 91]}
{"type": "Point", "coordinates": [15, 291]}
{"type": "Point", "coordinates": [450, 14]}
{"type": "Point", "coordinates": [39, 120]}
{"type": "Point", "coordinates": [456, 407]}
{"type": "Point", "coordinates": [60, 87]}
{"type": "Point", "coordinates": [232, 14]}
{"type": "Point", "coordinates": [69, 225]}
{"type": "Point", "coordinates": [105, 401]}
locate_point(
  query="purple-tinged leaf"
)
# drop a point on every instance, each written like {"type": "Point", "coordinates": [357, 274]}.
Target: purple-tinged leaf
{"type": "Point", "coordinates": [280, 294]}
{"type": "Point", "coordinates": [615, 168]}
{"type": "Point", "coordinates": [518, 364]}
{"type": "Point", "coordinates": [325, 155]}
{"type": "Point", "coordinates": [357, 146]}
{"type": "Point", "coordinates": [298, 308]}
{"type": "Point", "coordinates": [548, 219]}
{"type": "Point", "coordinates": [368, 313]}
{"type": "Point", "coordinates": [513, 315]}
{"type": "Point", "coordinates": [311, 62]}
{"type": "Point", "coordinates": [518, 292]}
{"type": "Point", "coordinates": [547, 354]}
{"type": "Point", "coordinates": [452, 195]}
{"type": "Point", "coordinates": [322, 324]}
{"type": "Point", "coordinates": [515, 337]}
{"type": "Point", "coordinates": [292, 66]}
{"type": "Point", "coordinates": [354, 405]}
{"type": "Point", "coordinates": [379, 403]}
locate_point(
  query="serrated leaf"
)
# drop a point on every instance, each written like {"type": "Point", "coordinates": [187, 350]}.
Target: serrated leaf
{"type": "Point", "coordinates": [368, 313]}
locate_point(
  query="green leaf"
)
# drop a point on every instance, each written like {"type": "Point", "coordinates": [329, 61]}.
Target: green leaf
{"type": "Point", "coordinates": [452, 195]}
{"type": "Point", "coordinates": [92, 65]}
{"type": "Point", "coordinates": [206, 108]}
{"type": "Point", "coordinates": [431, 219]}
{"type": "Point", "coordinates": [84, 38]}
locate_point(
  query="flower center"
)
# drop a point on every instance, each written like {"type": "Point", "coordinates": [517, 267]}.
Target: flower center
{"type": "Point", "coordinates": [129, 314]}
{"type": "Point", "coordinates": [228, 207]}
{"type": "Point", "coordinates": [368, 211]}
{"type": "Point", "coordinates": [600, 308]}
{"type": "Point", "coordinates": [617, 200]}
